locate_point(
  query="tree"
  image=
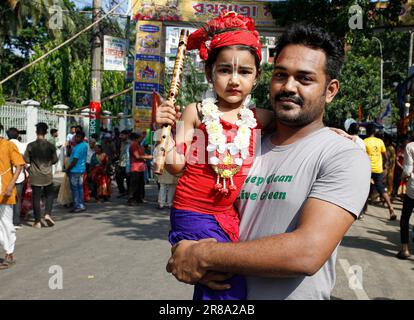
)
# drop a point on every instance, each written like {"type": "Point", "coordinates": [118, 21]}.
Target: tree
{"type": "Point", "coordinates": [334, 15]}
{"type": "Point", "coordinates": [14, 13]}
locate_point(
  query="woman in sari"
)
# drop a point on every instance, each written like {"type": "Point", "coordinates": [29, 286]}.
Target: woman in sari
{"type": "Point", "coordinates": [100, 178]}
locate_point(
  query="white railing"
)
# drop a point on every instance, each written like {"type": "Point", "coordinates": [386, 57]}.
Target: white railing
{"type": "Point", "coordinates": [51, 119]}
{"type": "Point", "coordinates": [13, 115]}
{"type": "Point", "coordinates": [25, 116]}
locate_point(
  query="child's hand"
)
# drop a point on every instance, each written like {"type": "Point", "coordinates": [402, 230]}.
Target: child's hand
{"type": "Point", "coordinates": [167, 114]}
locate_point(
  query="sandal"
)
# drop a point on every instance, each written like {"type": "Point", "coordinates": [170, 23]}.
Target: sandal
{"type": "Point", "coordinates": [4, 265]}
{"type": "Point", "coordinates": [402, 256]}
{"type": "Point", "coordinates": [49, 221]}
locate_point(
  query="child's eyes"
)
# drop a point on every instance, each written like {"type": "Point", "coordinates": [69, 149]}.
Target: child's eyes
{"type": "Point", "coordinates": [225, 71]}
{"type": "Point", "coordinates": [229, 71]}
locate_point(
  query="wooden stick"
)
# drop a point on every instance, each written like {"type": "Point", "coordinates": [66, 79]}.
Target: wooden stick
{"type": "Point", "coordinates": [159, 163]}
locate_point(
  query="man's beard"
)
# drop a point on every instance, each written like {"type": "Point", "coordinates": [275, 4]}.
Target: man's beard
{"type": "Point", "coordinates": [303, 117]}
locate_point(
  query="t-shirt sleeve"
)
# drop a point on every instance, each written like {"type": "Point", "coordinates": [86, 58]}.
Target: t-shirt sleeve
{"type": "Point", "coordinates": [383, 149]}
{"type": "Point", "coordinates": [344, 180]}
{"type": "Point", "coordinates": [15, 156]}
{"type": "Point", "coordinates": [75, 153]}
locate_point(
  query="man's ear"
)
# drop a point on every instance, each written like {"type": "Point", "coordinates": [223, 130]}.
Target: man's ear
{"type": "Point", "coordinates": [331, 90]}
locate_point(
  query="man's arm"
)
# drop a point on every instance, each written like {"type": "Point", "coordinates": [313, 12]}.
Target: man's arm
{"type": "Point", "coordinates": [72, 164]}
{"type": "Point", "coordinates": [408, 163]}
{"type": "Point", "coordinates": [9, 189]}
{"type": "Point", "coordinates": [301, 252]}
{"type": "Point", "coordinates": [54, 156]}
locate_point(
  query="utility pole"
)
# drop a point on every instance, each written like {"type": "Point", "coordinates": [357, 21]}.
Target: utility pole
{"type": "Point", "coordinates": [127, 98]}
{"type": "Point", "coordinates": [381, 71]}
{"type": "Point", "coordinates": [410, 55]}
{"type": "Point", "coordinates": [96, 53]}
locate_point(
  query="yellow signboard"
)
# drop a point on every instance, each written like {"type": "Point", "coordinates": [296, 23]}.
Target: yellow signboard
{"type": "Point", "coordinates": [142, 119]}
{"type": "Point", "coordinates": [149, 38]}
{"type": "Point", "coordinates": [199, 10]}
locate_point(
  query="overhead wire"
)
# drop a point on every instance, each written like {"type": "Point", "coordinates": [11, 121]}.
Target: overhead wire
{"type": "Point", "coordinates": [62, 44]}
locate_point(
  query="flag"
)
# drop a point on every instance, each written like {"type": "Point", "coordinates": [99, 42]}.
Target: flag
{"type": "Point", "coordinates": [387, 111]}
{"type": "Point", "coordinates": [359, 114]}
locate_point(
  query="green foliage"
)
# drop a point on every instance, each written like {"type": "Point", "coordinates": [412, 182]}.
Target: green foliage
{"type": "Point", "coordinates": [113, 82]}
{"type": "Point", "coordinates": [2, 100]}
{"type": "Point", "coordinates": [334, 14]}
{"type": "Point", "coordinates": [261, 92]}
{"type": "Point", "coordinates": [360, 79]}
{"type": "Point", "coordinates": [192, 87]}
{"type": "Point", "coordinates": [359, 86]}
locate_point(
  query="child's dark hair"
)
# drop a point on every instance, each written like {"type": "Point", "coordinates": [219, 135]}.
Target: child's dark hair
{"type": "Point", "coordinates": [212, 57]}
{"type": "Point", "coordinates": [315, 38]}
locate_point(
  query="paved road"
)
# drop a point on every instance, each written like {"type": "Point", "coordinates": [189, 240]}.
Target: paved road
{"type": "Point", "coordinates": [113, 251]}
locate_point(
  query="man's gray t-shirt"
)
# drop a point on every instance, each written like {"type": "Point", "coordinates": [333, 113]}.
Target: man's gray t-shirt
{"type": "Point", "coordinates": [322, 165]}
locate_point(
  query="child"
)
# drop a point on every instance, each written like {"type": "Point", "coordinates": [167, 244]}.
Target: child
{"type": "Point", "coordinates": [215, 139]}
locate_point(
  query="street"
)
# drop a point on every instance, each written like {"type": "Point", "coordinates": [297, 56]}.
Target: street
{"type": "Point", "coordinates": [113, 251]}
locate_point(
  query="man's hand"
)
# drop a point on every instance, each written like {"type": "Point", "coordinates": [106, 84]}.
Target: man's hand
{"type": "Point", "coordinates": [185, 263]}
{"type": "Point", "coordinates": [213, 280]}
{"type": "Point", "coordinates": [8, 192]}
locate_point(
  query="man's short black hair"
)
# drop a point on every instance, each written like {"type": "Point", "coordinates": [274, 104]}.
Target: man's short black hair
{"type": "Point", "coordinates": [73, 127]}
{"type": "Point", "coordinates": [125, 132]}
{"type": "Point", "coordinates": [41, 128]}
{"type": "Point", "coordinates": [134, 136]}
{"type": "Point", "coordinates": [370, 128]}
{"type": "Point", "coordinates": [315, 38]}
{"type": "Point", "coordinates": [13, 133]}
{"type": "Point", "coordinates": [353, 128]}
{"type": "Point", "coordinates": [80, 134]}
{"type": "Point", "coordinates": [53, 131]}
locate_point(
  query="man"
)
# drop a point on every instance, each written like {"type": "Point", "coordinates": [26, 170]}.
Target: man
{"type": "Point", "coordinates": [377, 153]}
{"type": "Point", "coordinates": [120, 173]}
{"type": "Point", "coordinates": [53, 139]}
{"type": "Point", "coordinates": [353, 130]}
{"type": "Point", "coordinates": [91, 151]}
{"type": "Point", "coordinates": [41, 156]}
{"type": "Point", "coordinates": [10, 157]}
{"type": "Point", "coordinates": [300, 198]}
{"type": "Point", "coordinates": [108, 147]}
{"type": "Point", "coordinates": [13, 135]}
{"type": "Point", "coordinates": [408, 203]}
{"type": "Point", "coordinates": [76, 170]}
{"type": "Point", "coordinates": [137, 156]}
{"type": "Point", "coordinates": [69, 138]}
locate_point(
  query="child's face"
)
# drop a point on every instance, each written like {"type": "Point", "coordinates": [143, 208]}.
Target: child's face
{"type": "Point", "coordinates": [234, 74]}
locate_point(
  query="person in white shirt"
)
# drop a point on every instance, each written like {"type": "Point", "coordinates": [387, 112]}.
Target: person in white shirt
{"type": "Point", "coordinates": [353, 130]}
{"type": "Point", "coordinates": [13, 135]}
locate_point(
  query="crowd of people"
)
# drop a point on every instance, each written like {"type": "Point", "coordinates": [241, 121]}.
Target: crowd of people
{"type": "Point", "coordinates": [90, 166]}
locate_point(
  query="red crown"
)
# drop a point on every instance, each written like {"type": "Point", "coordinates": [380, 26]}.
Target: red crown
{"type": "Point", "coordinates": [208, 37]}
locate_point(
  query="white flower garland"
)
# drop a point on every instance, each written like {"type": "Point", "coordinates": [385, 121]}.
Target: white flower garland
{"type": "Point", "coordinates": [217, 139]}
